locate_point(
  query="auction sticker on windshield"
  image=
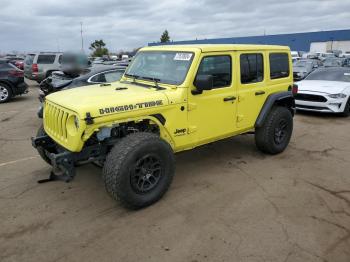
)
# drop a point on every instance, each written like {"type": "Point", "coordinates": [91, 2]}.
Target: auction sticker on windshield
{"type": "Point", "coordinates": [183, 56]}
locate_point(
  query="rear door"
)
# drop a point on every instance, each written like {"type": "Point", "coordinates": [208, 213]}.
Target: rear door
{"type": "Point", "coordinates": [212, 114]}
{"type": "Point", "coordinates": [252, 89]}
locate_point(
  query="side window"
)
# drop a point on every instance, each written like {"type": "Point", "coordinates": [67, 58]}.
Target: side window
{"type": "Point", "coordinates": [100, 78]}
{"type": "Point", "coordinates": [279, 65]}
{"type": "Point", "coordinates": [219, 67]}
{"type": "Point", "coordinates": [60, 59]}
{"type": "Point", "coordinates": [46, 59]}
{"type": "Point", "coordinates": [252, 68]}
{"type": "Point", "coordinates": [113, 76]}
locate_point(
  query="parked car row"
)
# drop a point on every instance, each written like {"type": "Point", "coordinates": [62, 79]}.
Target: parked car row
{"type": "Point", "coordinates": [303, 67]}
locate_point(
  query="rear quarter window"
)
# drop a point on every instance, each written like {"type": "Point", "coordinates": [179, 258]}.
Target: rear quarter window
{"type": "Point", "coordinates": [29, 59]}
{"type": "Point", "coordinates": [279, 65]}
{"type": "Point", "coordinates": [46, 59]}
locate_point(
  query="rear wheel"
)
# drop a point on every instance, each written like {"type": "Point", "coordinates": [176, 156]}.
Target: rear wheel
{"type": "Point", "coordinates": [139, 170]}
{"type": "Point", "coordinates": [5, 93]}
{"type": "Point", "coordinates": [274, 136]}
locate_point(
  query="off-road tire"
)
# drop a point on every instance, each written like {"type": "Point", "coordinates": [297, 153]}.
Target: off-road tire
{"type": "Point", "coordinates": [41, 151]}
{"type": "Point", "coordinates": [267, 137]}
{"type": "Point", "coordinates": [7, 89]}
{"type": "Point", "coordinates": [119, 171]}
{"type": "Point", "coordinates": [346, 111]}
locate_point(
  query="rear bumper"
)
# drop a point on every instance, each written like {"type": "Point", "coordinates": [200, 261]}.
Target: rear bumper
{"type": "Point", "coordinates": [21, 88]}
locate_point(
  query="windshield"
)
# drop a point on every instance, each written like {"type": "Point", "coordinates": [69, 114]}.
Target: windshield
{"type": "Point", "coordinates": [332, 62]}
{"type": "Point", "coordinates": [166, 67]}
{"type": "Point", "coordinates": [336, 75]}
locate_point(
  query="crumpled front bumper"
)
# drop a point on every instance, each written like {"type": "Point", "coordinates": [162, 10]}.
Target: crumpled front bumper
{"type": "Point", "coordinates": [64, 161]}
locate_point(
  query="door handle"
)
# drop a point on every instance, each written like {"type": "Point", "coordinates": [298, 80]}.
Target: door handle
{"type": "Point", "coordinates": [229, 98]}
{"type": "Point", "coordinates": [259, 93]}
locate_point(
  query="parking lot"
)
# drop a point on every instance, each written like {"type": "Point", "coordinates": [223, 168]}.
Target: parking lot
{"type": "Point", "coordinates": [228, 201]}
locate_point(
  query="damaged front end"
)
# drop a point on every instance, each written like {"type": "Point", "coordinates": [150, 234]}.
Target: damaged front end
{"type": "Point", "coordinates": [64, 161]}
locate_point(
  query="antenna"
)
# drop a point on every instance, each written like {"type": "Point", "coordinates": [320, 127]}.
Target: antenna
{"type": "Point", "coordinates": [81, 34]}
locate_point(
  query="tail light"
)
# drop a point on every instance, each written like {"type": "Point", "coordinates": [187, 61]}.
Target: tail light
{"type": "Point", "coordinates": [19, 64]}
{"type": "Point", "coordinates": [35, 68]}
{"type": "Point", "coordinates": [294, 89]}
{"type": "Point", "coordinates": [16, 73]}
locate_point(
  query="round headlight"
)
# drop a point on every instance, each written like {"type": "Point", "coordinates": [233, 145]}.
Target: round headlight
{"type": "Point", "coordinates": [76, 122]}
{"type": "Point", "coordinates": [72, 125]}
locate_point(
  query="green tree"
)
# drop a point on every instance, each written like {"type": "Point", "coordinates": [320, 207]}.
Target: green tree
{"type": "Point", "coordinates": [98, 48]}
{"type": "Point", "coordinates": [165, 37]}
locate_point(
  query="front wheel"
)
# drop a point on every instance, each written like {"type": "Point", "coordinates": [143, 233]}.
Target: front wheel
{"type": "Point", "coordinates": [274, 135]}
{"type": "Point", "coordinates": [139, 170]}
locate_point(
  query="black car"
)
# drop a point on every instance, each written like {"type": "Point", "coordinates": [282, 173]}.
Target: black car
{"type": "Point", "coordinates": [97, 74]}
{"type": "Point", "coordinates": [11, 81]}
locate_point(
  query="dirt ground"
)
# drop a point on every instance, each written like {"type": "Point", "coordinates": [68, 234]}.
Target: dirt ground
{"type": "Point", "coordinates": [228, 202]}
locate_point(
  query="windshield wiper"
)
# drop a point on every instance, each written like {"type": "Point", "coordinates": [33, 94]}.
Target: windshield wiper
{"type": "Point", "coordinates": [155, 80]}
{"type": "Point", "coordinates": [134, 77]}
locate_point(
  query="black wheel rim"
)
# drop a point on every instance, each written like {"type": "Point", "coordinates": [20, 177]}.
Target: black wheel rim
{"type": "Point", "coordinates": [146, 174]}
{"type": "Point", "coordinates": [281, 131]}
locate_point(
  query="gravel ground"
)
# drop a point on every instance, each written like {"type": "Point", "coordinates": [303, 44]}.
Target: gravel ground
{"type": "Point", "coordinates": [228, 202]}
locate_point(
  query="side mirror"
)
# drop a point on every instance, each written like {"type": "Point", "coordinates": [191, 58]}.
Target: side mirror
{"type": "Point", "coordinates": [202, 83]}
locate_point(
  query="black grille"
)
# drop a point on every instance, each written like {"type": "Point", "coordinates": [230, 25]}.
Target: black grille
{"type": "Point", "coordinates": [308, 97]}
{"type": "Point", "coordinates": [312, 107]}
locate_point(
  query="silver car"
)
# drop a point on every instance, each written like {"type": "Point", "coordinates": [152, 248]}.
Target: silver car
{"type": "Point", "coordinates": [39, 66]}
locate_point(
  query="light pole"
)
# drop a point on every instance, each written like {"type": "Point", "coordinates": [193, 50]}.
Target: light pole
{"type": "Point", "coordinates": [81, 34]}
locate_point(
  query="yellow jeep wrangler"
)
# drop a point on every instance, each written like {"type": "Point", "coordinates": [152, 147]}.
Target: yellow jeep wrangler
{"type": "Point", "coordinates": [170, 99]}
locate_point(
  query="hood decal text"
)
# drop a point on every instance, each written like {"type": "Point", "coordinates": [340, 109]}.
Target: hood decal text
{"type": "Point", "coordinates": [130, 107]}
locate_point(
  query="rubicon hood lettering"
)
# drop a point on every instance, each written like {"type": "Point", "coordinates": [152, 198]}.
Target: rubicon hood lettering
{"type": "Point", "coordinates": [130, 107]}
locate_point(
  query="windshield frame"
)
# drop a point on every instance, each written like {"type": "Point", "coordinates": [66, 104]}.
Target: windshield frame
{"type": "Point", "coordinates": [145, 78]}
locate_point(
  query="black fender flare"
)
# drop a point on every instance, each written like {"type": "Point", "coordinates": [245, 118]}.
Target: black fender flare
{"type": "Point", "coordinates": [285, 99]}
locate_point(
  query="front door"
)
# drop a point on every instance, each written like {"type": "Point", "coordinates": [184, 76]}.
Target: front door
{"type": "Point", "coordinates": [212, 113]}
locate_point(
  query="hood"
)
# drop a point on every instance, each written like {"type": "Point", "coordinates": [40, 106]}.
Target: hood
{"type": "Point", "coordinates": [328, 87]}
{"type": "Point", "coordinates": [107, 99]}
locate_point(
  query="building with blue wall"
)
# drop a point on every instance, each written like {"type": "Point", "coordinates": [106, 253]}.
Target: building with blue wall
{"type": "Point", "coordinates": [297, 41]}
